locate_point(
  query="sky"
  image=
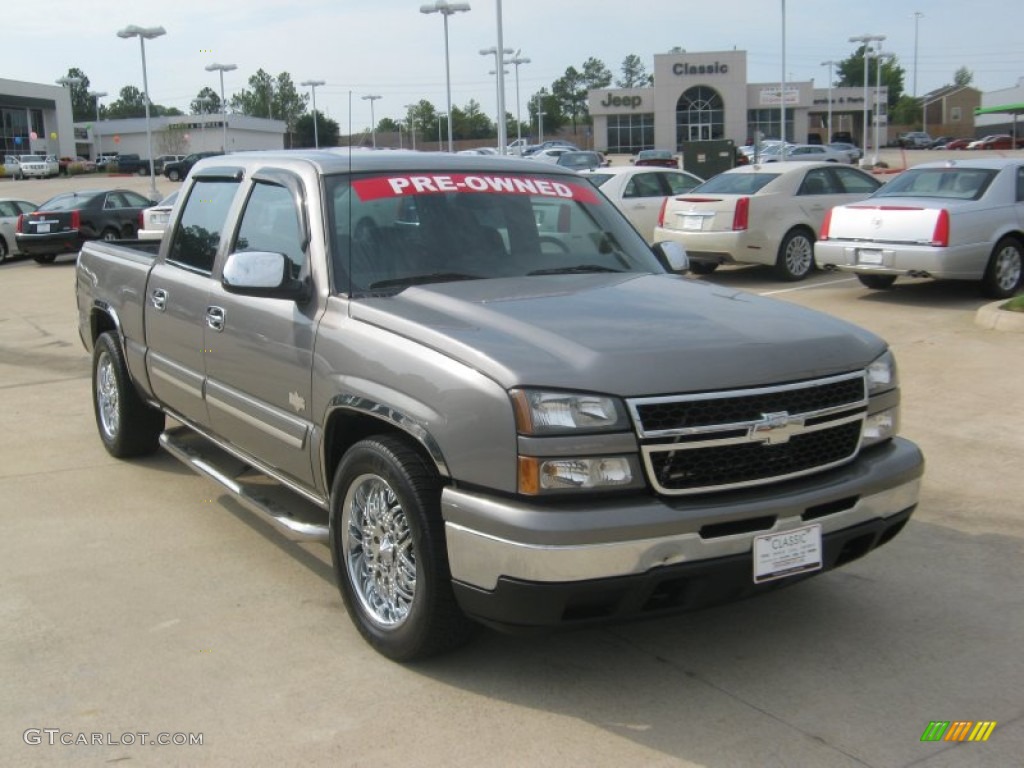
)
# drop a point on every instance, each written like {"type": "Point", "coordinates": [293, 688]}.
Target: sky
{"type": "Point", "coordinates": [388, 48]}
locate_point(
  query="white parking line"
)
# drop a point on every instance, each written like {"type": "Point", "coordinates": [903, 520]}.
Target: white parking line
{"type": "Point", "coordinates": [807, 287]}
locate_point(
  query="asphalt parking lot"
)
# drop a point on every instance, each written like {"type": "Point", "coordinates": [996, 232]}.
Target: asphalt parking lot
{"type": "Point", "coordinates": [137, 600]}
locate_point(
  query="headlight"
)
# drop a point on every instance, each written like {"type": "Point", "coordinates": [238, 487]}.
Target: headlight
{"type": "Point", "coordinates": [881, 426]}
{"type": "Point", "coordinates": [554, 413]}
{"type": "Point", "coordinates": [546, 475]}
{"type": "Point", "coordinates": [882, 374]}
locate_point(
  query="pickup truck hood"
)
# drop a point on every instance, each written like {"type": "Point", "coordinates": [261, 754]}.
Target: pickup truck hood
{"type": "Point", "coordinates": [628, 335]}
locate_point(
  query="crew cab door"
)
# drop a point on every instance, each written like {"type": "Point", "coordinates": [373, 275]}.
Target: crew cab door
{"type": "Point", "coordinates": [177, 297]}
{"type": "Point", "coordinates": [259, 358]}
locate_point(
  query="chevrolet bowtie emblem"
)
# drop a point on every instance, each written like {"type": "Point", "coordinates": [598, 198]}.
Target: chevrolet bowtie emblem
{"type": "Point", "coordinates": [776, 428]}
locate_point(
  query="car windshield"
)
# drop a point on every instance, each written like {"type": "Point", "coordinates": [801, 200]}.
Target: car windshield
{"type": "Point", "coordinates": [950, 183]}
{"type": "Point", "coordinates": [736, 183]}
{"type": "Point", "coordinates": [32, 159]}
{"type": "Point", "coordinates": [654, 154]}
{"type": "Point", "coordinates": [396, 231]}
{"type": "Point", "coordinates": [579, 160]}
{"type": "Point", "coordinates": [597, 179]}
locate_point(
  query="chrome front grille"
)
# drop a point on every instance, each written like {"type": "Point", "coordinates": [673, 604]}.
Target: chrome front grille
{"type": "Point", "coordinates": [721, 440]}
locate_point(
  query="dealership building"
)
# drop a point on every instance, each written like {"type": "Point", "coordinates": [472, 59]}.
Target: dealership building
{"type": "Point", "coordinates": [706, 96]}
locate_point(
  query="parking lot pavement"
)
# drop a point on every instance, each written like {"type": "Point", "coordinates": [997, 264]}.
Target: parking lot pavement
{"type": "Point", "coordinates": [137, 600]}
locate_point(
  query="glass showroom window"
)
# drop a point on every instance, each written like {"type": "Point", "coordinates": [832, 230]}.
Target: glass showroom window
{"type": "Point", "coordinates": [628, 134]}
{"type": "Point", "coordinates": [700, 115]}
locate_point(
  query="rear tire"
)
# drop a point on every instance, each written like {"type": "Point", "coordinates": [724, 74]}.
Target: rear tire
{"type": "Point", "coordinates": [388, 547]}
{"type": "Point", "coordinates": [174, 175]}
{"type": "Point", "coordinates": [4, 250]}
{"type": "Point", "coordinates": [796, 255]}
{"type": "Point", "coordinates": [110, 234]}
{"type": "Point", "coordinates": [877, 282]}
{"type": "Point", "coordinates": [703, 267]}
{"type": "Point", "coordinates": [1003, 274]}
{"type": "Point", "coordinates": [44, 258]}
{"type": "Point", "coordinates": [127, 425]}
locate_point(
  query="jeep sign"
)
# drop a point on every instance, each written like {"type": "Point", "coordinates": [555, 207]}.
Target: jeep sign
{"type": "Point", "coordinates": [633, 102]}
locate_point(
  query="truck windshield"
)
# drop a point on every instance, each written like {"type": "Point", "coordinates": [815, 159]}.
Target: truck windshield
{"type": "Point", "coordinates": [397, 230]}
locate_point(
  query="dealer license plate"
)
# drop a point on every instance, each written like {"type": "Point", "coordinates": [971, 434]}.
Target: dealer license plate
{"type": "Point", "coordinates": [693, 222]}
{"type": "Point", "coordinates": [869, 256]}
{"type": "Point", "coordinates": [777, 555]}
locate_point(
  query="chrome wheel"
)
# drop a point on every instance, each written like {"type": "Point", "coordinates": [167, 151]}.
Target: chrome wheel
{"type": "Point", "coordinates": [377, 546]}
{"type": "Point", "coordinates": [799, 256]}
{"type": "Point", "coordinates": [107, 396]}
{"type": "Point", "coordinates": [1008, 267]}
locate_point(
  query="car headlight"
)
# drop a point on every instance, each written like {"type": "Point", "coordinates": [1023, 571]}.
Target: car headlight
{"type": "Point", "coordinates": [882, 374]}
{"type": "Point", "coordinates": [549, 475]}
{"type": "Point", "coordinates": [557, 413]}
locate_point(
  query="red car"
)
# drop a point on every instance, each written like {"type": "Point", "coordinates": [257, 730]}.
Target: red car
{"type": "Point", "coordinates": [663, 158]}
{"type": "Point", "coordinates": [957, 144]}
{"type": "Point", "coordinates": [997, 141]}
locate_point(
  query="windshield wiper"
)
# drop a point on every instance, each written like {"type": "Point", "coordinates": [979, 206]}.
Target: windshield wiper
{"type": "Point", "coordinates": [433, 277]}
{"type": "Point", "coordinates": [578, 269]}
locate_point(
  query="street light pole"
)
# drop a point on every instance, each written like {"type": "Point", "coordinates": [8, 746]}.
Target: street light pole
{"type": "Point", "coordinates": [373, 123]}
{"type": "Point", "coordinates": [866, 40]}
{"type": "Point", "coordinates": [917, 17]}
{"type": "Point", "coordinates": [96, 96]}
{"type": "Point", "coordinates": [782, 91]}
{"type": "Point", "coordinates": [499, 54]}
{"type": "Point", "coordinates": [144, 34]}
{"type": "Point", "coordinates": [222, 68]}
{"type": "Point", "coordinates": [540, 125]}
{"type": "Point", "coordinates": [312, 84]}
{"type": "Point", "coordinates": [878, 95]}
{"type": "Point", "coordinates": [446, 9]}
{"type": "Point", "coordinates": [516, 61]}
{"type": "Point", "coordinates": [828, 124]}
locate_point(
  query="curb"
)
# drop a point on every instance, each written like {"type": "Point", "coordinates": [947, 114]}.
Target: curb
{"type": "Point", "coordinates": [993, 318]}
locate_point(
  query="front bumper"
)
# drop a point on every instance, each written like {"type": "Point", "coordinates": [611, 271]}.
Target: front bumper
{"type": "Point", "coordinates": [517, 564]}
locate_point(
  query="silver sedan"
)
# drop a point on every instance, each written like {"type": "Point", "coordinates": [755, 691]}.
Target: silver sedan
{"type": "Point", "coordinates": [641, 192]}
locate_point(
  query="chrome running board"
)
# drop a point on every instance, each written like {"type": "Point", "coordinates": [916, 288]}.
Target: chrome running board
{"type": "Point", "coordinates": [287, 511]}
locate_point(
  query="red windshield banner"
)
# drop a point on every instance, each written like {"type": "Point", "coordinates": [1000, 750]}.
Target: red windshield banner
{"type": "Point", "coordinates": [435, 183]}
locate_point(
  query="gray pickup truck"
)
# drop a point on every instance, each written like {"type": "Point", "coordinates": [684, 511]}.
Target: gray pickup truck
{"type": "Point", "coordinates": [497, 404]}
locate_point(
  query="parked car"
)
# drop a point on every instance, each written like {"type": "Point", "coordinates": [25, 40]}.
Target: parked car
{"type": "Point", "coordinates": [958, 144]}
{"type": "Point", "coordinates": [10, 210]}
{"type": "Point", "coordinates": [155, 218]}
{"type": "Point", "coordinates": [39, 166]}
{"type": "Point", "coordinates": [662, 158]}
{"type": "Point", "coordinates": [940, 142]}
{"type": "Point", "coordinates": [955, 221]}
{"type": "Point", "coordinates": [128, 163]}
{"type": "Point", "coordinates": [914, 140]}
{"type": "Point", "coordinates": [64, 222]}
{"type": "Point", "coordinates": [761, 214]}
{"type": "Point", "coordinates": [178, 170]}
{"type": "Point", "coordinates": [805, 152]}
{"type": "Point", "coordinates": [160, 163]}
{"type": "Point", "coordinates": [104, 161]}
{"type": "Point", "coordinates": [852, 150]}
{"type": "Point", "coordinates": [550, 154]}
{"type": "Point", "coordinates": [12, 167]}
{"type": "Point", "coordinates": [640, 192]}
{"type": "Point", "coordinates": [844, 137]}
{"type": "Point", "coordinates": [997, 141]}
{"type": "Point", "coordinates": [580, 160]}
{"type": "Point", "coordinates": [534, 148]}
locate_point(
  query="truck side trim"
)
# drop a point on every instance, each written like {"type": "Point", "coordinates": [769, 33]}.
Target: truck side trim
{"type": "Point", "coordinates": [290, 431]}
{"type": "Point", "coordinates": [175, 375]}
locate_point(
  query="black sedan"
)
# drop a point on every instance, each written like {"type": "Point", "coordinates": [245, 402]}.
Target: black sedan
{"type": "Point", "coordinates": [64, 222]}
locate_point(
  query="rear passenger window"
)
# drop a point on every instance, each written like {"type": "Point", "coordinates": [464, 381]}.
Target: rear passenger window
{"type": "Point", "coordinates": [271, 223]}
{"type": "Point", "coordinates": [200, 229]}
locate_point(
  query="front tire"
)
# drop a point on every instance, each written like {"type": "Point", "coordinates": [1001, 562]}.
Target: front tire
{"type": "Point", "coordinates": [388, 549]}
{"type": "Point", "coordinates": [1003, 274]}
{"type": "Point", "coordinates": [795, 260]}
{"type": "Point", "coordinates": [44, 258]}
{"type": "Point", "coordinates": [127, 425]}
{"type": "Point", "coordinates": [703, 267]}
{"type": "Point", "coordinates": [110, 234]}
{"type": "Point", "coordinates": [4, 250]}
{"type": "Point", "coordinates": [174, 175]}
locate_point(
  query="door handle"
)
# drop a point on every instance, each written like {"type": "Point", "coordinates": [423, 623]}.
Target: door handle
{"type": "Point", "coordinates": [215, 318]}
{"type": "Point", "coordinates": [159, 299]}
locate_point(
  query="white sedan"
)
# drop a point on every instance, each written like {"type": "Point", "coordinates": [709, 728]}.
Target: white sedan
{"type": "Point", "coordinates": [951, 220]}
{"type": "Point", "coordinates": [550, 155]}
{"type": "Point", "coordinates": [156, 218]}
{"type": "Point", "coordinates": [761, 214]}
{"type": "Point", "coordinates": [9, 211]}
{"type": "Point", "coordinates": [639, 192]}
{"type": "Point", "coordinates": [805, 152]}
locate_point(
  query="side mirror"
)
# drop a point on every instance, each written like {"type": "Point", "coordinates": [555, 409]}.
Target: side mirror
{"type": "Point", "coordinates": [672, 256]}
{"type": "Point", "coordinates": [262, 273]}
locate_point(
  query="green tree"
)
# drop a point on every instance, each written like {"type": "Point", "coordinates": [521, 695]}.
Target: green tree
{"type": "Point", "coordinates": [131, 102]}
{"type": "Point", "coordinates": [906, 111]}
{"type": "Point", "coordinates": [595, 74]}
{"type": "Point", "coordinates": [258, 99]}
{"type": "Point", "coordinates": [470, 122]}
{"type": "Point", "coordinates": [424, 119]}
{"type": "Point", "coordinates": [289, 104]}
{"type": "Point", "coordinates": [549, 104]}
{"type": "Point", "coordinates": [571, 92]}
{"type": "Point", "coordinates": [963, 77]}
{"type": "Point", "coordinates": [850, 73]}
{"type": "Point", "coordinates": [83, 106]}
{"type": "Point", "coordinates": [206, 102]}
{"type": "Point", "coordinates": [326, 131]}
{"type": "Point", "coordinates": [634, 73]}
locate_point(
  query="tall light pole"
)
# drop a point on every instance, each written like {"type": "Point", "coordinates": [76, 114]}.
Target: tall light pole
{"type": "Point", "coordinates": [373, 123]}
{"type": "Point", "coordinates": [866, 40]}
{"type": "Point", "coordinates": [782, 91]}
{"type": "Point", "coordinates": [540, 125]}
{"type": "Point", "coordinates": [96, 96]}
{"type": "Point", "coordinates": [829, 64]}
{"type": "Point", "coordinates": [917, 17]}
{"type": "Point", "coordinates": [412, 126]}
{"type": "Point", "coordinates": [516, 61]}
{"type": "Point", "coordinates": [446, 9]}
{"type": "Point", "coordinates": [144, 34]}
{"type": "Point", "coordinates": [499, 72]}
{"type": "Point", "coordinates": [878, 95]}
{"type": "Point", "coordinates": [312, 84]}
{"type": "Point", "coordinates": [439, 130]}
{"type": "Point", "coordinates": [203, 101]}
{"type": "Point", "coordinates": [222, 68]}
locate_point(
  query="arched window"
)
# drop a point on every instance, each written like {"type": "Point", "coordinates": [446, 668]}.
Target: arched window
{"type": "Point", "coordinates": [700, 115]}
